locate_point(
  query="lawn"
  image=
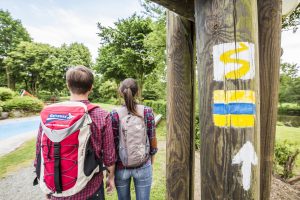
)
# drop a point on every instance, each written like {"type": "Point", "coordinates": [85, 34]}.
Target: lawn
{"type": "Point", "coordinates": [107, 107]}
{"type": "Point", "coordinates": [17, 159]}
{"type": "Point", "coordinates": [290, 134]}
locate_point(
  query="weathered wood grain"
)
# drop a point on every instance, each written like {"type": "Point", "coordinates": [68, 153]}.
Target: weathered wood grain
{"type": "Point", "coordinates": [217, 22]}
{"type": "Point", "coordinates": [180, 107]}
{"type": "Point", "coordinates": [184, 8]}
{"type": "Point", "coordinates": [269, 21]}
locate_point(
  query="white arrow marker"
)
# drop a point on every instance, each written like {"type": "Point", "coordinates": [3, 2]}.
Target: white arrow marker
{"type": "Point", "coordinates": [246, 156]}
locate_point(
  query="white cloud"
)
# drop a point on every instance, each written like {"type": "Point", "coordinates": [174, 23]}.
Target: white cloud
{"type": "Point", "coordinates": [67, 27]}
{"type": "Point", "coordinates": [290, 42]}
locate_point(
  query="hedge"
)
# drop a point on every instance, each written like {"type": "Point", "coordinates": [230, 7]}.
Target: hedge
{"type": "Point", "coordinates": [6, 94]}
{"type": "Point", "coordinates": [289, 110]}
{"type": "Point", "coordinates": [159, 107]}
{"type": "Point", "coordinates": [29, 104]}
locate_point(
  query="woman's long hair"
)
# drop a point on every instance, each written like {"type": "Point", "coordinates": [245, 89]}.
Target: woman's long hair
{"type": "Point", "coordinates": [128, 90]}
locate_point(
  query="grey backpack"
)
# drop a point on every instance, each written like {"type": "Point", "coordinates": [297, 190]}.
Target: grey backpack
{"type": "Point", "coordinates": [134, 145]}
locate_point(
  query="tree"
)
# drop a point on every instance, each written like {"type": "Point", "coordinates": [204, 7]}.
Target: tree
{"type": "Point", "coordinates": [75, 54]}
{"type": "Point", "coordinates": [123, 53]}
{"type": "Point", "coordinates": [42, 67]}
{"type": "Point", "coordinates": [155, 42]}
{"type": "Point", "coordinates": [289, 90]}
{"type": "Point", "coordinates": [31, 64]}
{"type": "Point", "coordinates": [292, 21]}
{"type": "Point", "coordinates": [12, 33]}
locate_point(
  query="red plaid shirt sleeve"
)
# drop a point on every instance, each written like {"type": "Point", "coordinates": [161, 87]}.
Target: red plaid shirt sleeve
{"type": "Point", "coordinates": [103, 144]}
{"type": "Point", "coordinates": [38, 145]}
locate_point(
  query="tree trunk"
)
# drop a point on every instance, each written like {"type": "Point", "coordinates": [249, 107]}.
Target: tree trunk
{"type": "Point", "coordinates": [228, 69]}
{"type": "Point", "coordinates": [180, 115]}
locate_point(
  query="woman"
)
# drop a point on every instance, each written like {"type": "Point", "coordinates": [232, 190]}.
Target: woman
{"type": "Point", "coordinates": [135, 155]}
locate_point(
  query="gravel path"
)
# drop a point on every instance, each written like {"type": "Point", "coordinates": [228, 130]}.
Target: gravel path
{"type": "Point", "coordinates": [18, 186]}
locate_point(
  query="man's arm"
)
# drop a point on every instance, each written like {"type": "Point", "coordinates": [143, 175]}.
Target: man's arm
{"type": "Point", "coordinates": [110, 181]}
{"type": "Point", "coordinates": [109, 153]}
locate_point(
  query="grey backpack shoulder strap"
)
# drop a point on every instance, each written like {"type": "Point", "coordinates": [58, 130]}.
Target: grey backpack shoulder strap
{"type": "Point", "coordinates": [140, 110]}
{"type": "Point", "coordinates": [122, 112]}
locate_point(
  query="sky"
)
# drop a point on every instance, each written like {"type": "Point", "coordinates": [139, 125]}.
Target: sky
{"type": "Point", "coordinates": [65, 21]}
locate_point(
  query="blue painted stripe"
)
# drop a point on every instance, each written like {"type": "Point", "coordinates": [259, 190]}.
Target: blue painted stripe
{"type": "Point", "coordinates": [233, 108]}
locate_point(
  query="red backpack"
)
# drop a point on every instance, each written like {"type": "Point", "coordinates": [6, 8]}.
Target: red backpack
{"type": "Point", "coordinates": [66, 162]}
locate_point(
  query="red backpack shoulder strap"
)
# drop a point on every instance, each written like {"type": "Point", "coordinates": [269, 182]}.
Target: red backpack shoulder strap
{"type": "Point", "coordinates": [91, 107]}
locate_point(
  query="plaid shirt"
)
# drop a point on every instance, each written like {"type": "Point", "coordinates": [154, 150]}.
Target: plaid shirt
{"type": "Point", "coordinates": [102, 141]}
{"type": "Point", "coordinates": [149, 121]}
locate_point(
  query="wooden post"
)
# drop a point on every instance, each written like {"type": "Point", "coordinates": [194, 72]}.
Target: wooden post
{"type": "Point", "coordinates": [228, 69]}
{"type": "Point", "coordinates": [269, 15]}
{"type": "Point", "coordinates": [180, 115]}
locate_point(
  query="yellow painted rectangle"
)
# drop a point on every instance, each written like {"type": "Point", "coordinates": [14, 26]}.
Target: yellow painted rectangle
{"type": "Point", "coordinates": [237, 121]}
{"type": "Point", "coordinates": [230, 96]}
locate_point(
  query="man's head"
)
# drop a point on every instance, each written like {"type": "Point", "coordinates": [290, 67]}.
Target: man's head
{"type": "Point", "coordinates": [80, 80]}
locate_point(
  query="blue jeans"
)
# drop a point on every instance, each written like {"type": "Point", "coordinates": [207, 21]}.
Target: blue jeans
{"type": "Point", "coordinates": [142, 178]}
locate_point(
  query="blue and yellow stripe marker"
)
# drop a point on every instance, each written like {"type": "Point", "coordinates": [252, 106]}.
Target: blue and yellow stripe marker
{"type": "Point", "coordinates": [234, 108]}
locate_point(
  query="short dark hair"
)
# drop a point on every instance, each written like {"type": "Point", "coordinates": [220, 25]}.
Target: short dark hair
{"type": "Point", "coordinates": [80, 79]}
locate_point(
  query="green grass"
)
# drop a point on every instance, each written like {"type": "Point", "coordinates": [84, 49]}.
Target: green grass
{"type": "Point", "coordinates": [106, 106]}
{"type": "Point", "coordinates": [17, 159]}
{"type": "Point", "coordinates": [290, 134]}
{"type": "Point", "coordinates": [161, 130]}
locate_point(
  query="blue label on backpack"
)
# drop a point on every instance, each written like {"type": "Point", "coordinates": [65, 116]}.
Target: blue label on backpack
{"type": "Point", "coordinates": [60, 117]}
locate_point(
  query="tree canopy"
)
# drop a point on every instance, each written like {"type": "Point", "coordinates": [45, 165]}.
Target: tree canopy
{"type": "Point", "coordinates": [39, 66]}
{"type": "Point", "coordinates": [12, 33]}
{"type": "Point", "coordinates": [123, 53]}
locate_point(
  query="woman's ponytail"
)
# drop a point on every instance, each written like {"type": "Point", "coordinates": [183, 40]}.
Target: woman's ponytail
{"type": "Point", "coordinates": [128, 90]}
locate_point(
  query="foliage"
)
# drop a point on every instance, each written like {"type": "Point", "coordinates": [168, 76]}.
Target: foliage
{"type": "Point", "coordinates": [1, 109]}
{"type": "Point", "coordinates": [292, 21]}
{"type": "Point", "coordinates": [107, 91]}
{"type": "Point", "coordinates": [6, 94]}
{"type": "Point", "coordinates": [197, 133]}
{"type": "Point", "coordinates": [153, 10]}
{"type": "Point", "coordinates": [285, 158]}
{"type": "Point", "coordinates": [159, 107]}
{"type": "Point", "coordinates": [123, 53]}
{"type": "Point", "coordinates": [289, 110]}
{"type": "Point", "coordinates": [40, 66]}
{"type": "Point", "coordinates": [12, 33]}
{"type": "Point", "coordinates": [28, 104]}
{"type": "Point", "coordinates": [75, 54]}
{"type": "Point", "coordinates": [150, 93]}
{"type": "Point", "coordinates": [289, 90]}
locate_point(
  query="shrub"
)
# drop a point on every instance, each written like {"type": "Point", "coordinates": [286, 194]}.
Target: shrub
{"type": "Point", "coordinates": [289, 110]}
{"type": "Point", "coordinates": [285, 158]}
{"type": "Point", "coordinates": [159, 107]}
{"type": "Point", "coordinates": [44, 95]}
{"type": "Point", "coordinates": [104, 91]}
{"type": "Point", "coordinates": [6, 94]}
{"type": "Point", "coordinates": [29, 104]}
{"type": "Point", "coordinates": [1, 109]}
{"type": "Point", "coordinates": [150, 94]}
{"type": "Point", "coordinates": [197, 133]}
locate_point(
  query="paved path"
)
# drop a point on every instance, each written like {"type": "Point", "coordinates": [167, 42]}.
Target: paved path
{"type": "Point", "coordinates": [10, 144]}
